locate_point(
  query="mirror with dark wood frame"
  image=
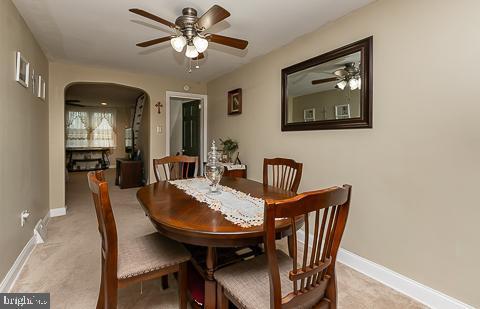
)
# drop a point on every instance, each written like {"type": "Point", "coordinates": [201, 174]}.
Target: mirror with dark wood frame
{"type": "Point", "coordinates": [330, 91]}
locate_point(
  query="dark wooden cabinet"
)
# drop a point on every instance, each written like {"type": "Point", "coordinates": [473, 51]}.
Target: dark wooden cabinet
{"type": "Point", "coordinates": [235, 173]}
{"type": "Point", "coordinates": [129, 173]}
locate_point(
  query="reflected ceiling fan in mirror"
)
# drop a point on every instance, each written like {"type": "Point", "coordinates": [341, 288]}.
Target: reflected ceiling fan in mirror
{"type": "Point", "coordinates": [190, 31]}
{"type": "Point", "coordinates": [347, 77]}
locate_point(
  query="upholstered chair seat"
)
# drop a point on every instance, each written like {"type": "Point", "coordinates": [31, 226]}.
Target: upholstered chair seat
{"type": "Point", "coordinates": [141, 255]}
{"type": "Point", "coordinates": [252, 276]}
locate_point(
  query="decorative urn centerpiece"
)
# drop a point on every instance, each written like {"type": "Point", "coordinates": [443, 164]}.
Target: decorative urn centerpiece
{"type": "Point", "coordinates": [214, 168]}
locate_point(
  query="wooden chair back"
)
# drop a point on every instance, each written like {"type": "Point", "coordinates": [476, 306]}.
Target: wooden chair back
{"type": "Point", "coordinates": [313, 273]}
{"type": "Point", "coordinates": [286, 173]}
{"type": "Point", "coordinates": [175, 167]}
{"type": "Point", "coordinates": [108, 232]}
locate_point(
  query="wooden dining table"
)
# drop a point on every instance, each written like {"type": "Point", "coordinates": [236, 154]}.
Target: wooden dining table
{"type": "Point", "coordinates": [180, 216]}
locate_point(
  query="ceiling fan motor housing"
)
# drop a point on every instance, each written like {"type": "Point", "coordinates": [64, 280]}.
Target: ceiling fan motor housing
{"type": "Point", "coordinates": [186, 23]}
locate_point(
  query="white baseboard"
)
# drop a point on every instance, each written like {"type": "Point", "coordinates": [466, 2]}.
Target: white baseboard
{"type": "Point", "coordinates": [57, 212]}
{"type": "Point", "coordinates": [17, 266]}
{"type": "Point", "coordinates": [12, 275]}
{"type": "Point", "coordinates": [413, 289]}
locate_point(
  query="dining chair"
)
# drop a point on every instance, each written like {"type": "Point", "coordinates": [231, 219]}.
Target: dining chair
{"type": "Point", "coordinates": [307, 280]}
{"type": "Point", "coordinates": [176, 167]}
{"type": "Point", "coordinates": [286, 173]}
{"type": "Point", "coordinates": [134, 260]}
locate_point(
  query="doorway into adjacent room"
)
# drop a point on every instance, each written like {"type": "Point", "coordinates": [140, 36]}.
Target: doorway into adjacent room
{"type": "Point", "coordinates": [186, 129]}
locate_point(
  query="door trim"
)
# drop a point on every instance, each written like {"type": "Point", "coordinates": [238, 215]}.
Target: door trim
{"type": "Point", "coordinates": [203, 121]}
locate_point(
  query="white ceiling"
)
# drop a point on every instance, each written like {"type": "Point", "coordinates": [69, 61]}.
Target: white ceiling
{"type": "Point", "coordinates": [104, 32]}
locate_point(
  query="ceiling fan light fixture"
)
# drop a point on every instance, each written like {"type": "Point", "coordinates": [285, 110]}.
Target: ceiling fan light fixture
{"type": "Point", "coordinates": [191, 51]}
{"type": "Point", "coordinates": [200, 44]}
{"type": "Point", "coordinates": [342, 84]}
{"type": "Point", "coordinates": [353, 84]}
{"type": "Point", "coordinates": [178, 43]}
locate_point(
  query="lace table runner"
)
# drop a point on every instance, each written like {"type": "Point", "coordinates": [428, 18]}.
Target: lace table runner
{"type": "Point", "coordinates": [237, 207]}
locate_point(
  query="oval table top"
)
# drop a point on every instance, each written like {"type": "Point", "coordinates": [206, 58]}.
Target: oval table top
{"type": "Point", "coordinates": [181, 217]}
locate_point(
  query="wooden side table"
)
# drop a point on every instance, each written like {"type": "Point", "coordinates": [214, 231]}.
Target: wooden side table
{"type": "Point", "coordinates": [129, 173]}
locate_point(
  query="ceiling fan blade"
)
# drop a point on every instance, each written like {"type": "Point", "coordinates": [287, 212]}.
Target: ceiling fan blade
{"type": "Point", "coordinates": [214, 15]}
{"type": "Point", "coordinates": [153, 42]}
{"type": "Point", "coordinates": [153, 17]}
{"type": "Point", "coordinates": [325, 80]}
{"type": "Point", "coordinates": [199, 57]}
{"type": "Point", "coordinates": [341, 72]}
{"type": "Point", "coordinates": [75, 104]}
{"type": "Point", "coordinates": [228, 41]}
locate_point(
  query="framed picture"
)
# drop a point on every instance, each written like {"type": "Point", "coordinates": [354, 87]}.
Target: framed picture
{"type": "Point", "coordinates": [22, 72]}
{"type": "Point", "coordinates": [342, 111]}
{"type": "Point", "coordinates": [33, 82]}
{"type": "Point", "coordinates": [235, 101]}
{"type": "Point", "coordinates": [44, 90]}
{"type": "Point", "coordinates": [309, 114]}
{"type": "Point", "coordinates": [38, 93]}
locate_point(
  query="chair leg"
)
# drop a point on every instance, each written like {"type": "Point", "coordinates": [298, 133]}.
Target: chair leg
{"type": "Point", "coordinates": [331, 292]}
{"type": "Point", "coordinates": [182, 285]}
{"type": "Point", "coordinates": [222, 300]}
{"type": "Point", "coordinates": [165, 282]}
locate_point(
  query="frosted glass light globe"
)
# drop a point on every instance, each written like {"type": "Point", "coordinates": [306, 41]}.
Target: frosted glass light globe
{"type": "Point", "coordinates": [200, 44]}
{"type": "Point", "coordinates": [178, 43]}
{"type": "Point", "coordinates": [191, 51]}
{"type": "Point", "coordinates": [353, 84]}
{"type": "Point", "coordinates": [342, 84]}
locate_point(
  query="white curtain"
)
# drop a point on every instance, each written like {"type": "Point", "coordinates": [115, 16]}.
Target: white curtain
{"type": "Point", "coordinates": [90, 127]}
{"type": "Point", "coordinates": [103, 130]}
{"type": "Point", "coordinates": [76, 129]}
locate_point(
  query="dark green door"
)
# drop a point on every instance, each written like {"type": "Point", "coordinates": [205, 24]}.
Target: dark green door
{"type": "Point", "coordinates": [191, 128]}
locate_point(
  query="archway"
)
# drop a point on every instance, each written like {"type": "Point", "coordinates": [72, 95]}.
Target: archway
{"type": "Point", "coordinates": [99, 127]}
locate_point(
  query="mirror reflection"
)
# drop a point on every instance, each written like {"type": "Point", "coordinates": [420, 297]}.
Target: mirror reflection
{"type": "Point", "coordinates": [328, 91]}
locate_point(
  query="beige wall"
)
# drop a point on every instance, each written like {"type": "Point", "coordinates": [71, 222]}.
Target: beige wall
{"type": "Point", "coordinates": [63, 74]}
{"type": "Point", "coordinates": [176, 123]}
{"type": "Point", "coordinates": [415, 174]}
{"type": "Point", "coordinates": [24, 139]}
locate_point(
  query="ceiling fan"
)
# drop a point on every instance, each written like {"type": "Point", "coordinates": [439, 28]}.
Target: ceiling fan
{"type": "Point", "coordinates": [190, 31]}
{"type": "Point", "coordinates": [74, 103]}
{"type": "Point", "coordinates": [347, 76]}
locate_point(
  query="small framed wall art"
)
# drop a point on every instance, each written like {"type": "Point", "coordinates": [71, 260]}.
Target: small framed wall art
{"type": "Point", "coordinates": [235, 101]}
{"type": "Point", "coordinates": [309, 114]}
{"type": "Point", "coordinates": [22, 72]}
{"type": "Point", "coordinates": [33, 81]}
{"type": "Point", "coordinates": [41, 86]}
{"type": "Point", "coordinates": [342, 111]}
{"type": "Point", "coordinates": [43, 89]}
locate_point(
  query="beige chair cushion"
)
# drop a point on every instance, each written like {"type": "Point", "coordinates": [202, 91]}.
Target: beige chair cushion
{"type": "Point", "coordinates": [148, 253]}
{"type": "Point", "coordinates": [247, 283]}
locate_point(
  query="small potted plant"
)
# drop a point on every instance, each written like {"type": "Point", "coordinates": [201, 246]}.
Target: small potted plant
{"type": "Point", "coordinates": [229, 147]}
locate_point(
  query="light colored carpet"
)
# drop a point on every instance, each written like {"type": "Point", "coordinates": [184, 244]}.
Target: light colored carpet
{"type": "Point", "coordinates": [68, 264]}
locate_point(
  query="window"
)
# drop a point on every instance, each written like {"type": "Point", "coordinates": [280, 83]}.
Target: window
{"type": "Point", "coordinates": [92, 128]}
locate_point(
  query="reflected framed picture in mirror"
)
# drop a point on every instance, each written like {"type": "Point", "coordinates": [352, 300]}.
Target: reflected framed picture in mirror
{"type": "Point", "coordinates": [330, 91]}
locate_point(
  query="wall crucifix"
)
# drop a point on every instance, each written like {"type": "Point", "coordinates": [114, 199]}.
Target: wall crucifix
{"type": "Point", "coordinates": [159, 105]}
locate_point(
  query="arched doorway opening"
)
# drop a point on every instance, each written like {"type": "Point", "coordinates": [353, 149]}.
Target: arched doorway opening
{"type": "Point", "coordinates": [106, 123]}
